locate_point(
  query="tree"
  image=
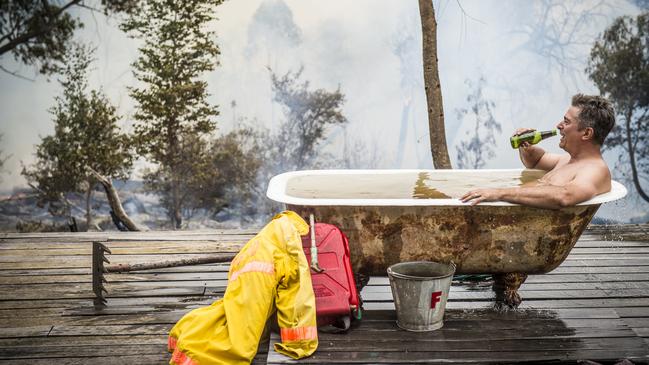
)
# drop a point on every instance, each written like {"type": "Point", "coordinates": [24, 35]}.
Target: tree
{"type": "Point", "coordinates": [438, 147]}
{"type": "Point", "coordinates": [173, 116]}
{"type": "Point", "coordinates": [228, 177]}
{"type": "Point", "coordinates": [38, 33]}
{"type": "Point", "coordinates": [560, 32]}
{"type": "Point", "coordinates": [474, 153]}
{"type": "Point", "coordinates": [619, 66]}
{"type": "Point", "coordinates": [272, 27]}
{"type": "Point", "coordinates": [86, 137]}
{"type": "Point", "coordinates": [297, 143]}
{"type": "Point", "coordinates": [308, 115]}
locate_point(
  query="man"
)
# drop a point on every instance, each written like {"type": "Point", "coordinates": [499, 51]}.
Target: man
{"type": "Point", "coordinates": [571, 178]}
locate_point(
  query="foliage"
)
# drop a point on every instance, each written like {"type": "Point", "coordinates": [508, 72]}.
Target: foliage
{"type": "Point", "coordinates": [295, 144]}
{"type": "Point", "coordinates": [173, 116]}
{"type": "Point", "coordinates": [228, 178]}
{"type": "Point", "coordinates": [308, 115]}
{"type": "Point", "coordinates": [619, 66]}
{"type": "Point", "coordinates": [85, 135]}
{"type": "Point", "coordinates": [474, 152]}
{"type": "Point", "coordinates": [38, 33]}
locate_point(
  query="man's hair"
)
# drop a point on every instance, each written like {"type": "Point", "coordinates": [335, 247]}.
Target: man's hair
{"type": "Point", "coordinates": [595, 112]}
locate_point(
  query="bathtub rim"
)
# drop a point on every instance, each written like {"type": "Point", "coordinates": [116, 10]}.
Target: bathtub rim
{"type": "Point", "coordinates": [277, 190]}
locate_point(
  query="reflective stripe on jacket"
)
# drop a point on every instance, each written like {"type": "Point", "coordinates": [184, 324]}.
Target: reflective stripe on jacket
{"type": "Point", "coordinates": [269, 273]}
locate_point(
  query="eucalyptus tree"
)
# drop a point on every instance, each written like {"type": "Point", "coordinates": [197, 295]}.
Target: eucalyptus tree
{"type": "Point", "coordinates": [226, 179]}
{"type": "Point", "coordinates": [173, 117]}
{"type": "Point", "coordinates": [619, 66]}
{"type": "Point", "coordinates": [474, 152]}
{"type": "Point", "coordinates": [86, 138]}
{"type": "Point", "coordinates": [308, 114]}
{"type": "Point", "coordinates": [39, 32]}
{"type": "Point", "coordinates": [432, 86]}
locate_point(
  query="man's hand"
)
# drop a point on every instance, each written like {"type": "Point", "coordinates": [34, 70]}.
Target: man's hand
{"type": "Point", "coordinates": [534, 157]}
{"type": "Point", "coordinates": [482, 195]}
{"type": "Point", "coordinates": [520, 131]}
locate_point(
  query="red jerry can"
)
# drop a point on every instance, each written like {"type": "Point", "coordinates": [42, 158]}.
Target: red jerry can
{"type": "Point", "coordinates": [336, 297]}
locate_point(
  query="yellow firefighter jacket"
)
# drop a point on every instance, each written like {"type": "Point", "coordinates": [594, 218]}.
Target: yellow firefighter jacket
{"type": "Point", "coordinates": [270, 272]}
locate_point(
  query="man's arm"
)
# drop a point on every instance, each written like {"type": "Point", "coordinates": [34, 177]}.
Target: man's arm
{"type": "Point", "coordinates": [588, 183]}
{"type": "Point", "coordinates": [550, 196]}
{"type": "Point", "coordinates": [534, 157]}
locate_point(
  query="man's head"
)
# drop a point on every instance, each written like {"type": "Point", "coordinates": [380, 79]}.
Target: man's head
{"type": "Point", "coordinates": [595, 112]}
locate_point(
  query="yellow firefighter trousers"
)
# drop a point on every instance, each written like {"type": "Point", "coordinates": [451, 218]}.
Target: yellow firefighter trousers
{"type": "Point", "coordinates": [270, 272]}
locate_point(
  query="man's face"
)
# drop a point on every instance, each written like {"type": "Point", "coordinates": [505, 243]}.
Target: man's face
{"type": "Point", "coordinates": [569, 129]}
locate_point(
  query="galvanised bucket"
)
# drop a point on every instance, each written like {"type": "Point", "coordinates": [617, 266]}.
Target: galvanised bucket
{"type": "Point", "coordinates": [420, 291]}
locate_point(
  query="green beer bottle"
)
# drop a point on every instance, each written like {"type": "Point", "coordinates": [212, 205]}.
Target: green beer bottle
{"type": "Point", "coordinates": [532, 137]}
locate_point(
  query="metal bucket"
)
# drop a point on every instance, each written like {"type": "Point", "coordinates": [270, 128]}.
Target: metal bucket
{"type": "Point", "coordinates": [420, 291]}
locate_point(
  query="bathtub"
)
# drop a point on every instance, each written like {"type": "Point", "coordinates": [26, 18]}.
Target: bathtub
{"type": "Point", "coordinates": [392, 216]}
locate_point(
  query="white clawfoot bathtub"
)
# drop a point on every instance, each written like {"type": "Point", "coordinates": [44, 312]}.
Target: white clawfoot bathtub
{"type": "Point", "coordinates": [392, 216]}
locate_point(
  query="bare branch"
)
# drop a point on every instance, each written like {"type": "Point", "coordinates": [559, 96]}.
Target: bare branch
{"type": "Point", "coordinates": [211, 259]}
{"type": "Point", "coordinates": [467, 15]}
{"type": "Point", "coordinates": [23, 38]}
{"type": "Point", "coordinates": [14, 73]}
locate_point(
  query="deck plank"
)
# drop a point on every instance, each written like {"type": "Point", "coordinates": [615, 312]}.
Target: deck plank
{"type": "Point", "coordinates": [594, 306]}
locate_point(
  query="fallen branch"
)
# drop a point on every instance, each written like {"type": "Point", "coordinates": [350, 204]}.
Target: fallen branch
{"type": "Point", "coordinates": [212, 259]}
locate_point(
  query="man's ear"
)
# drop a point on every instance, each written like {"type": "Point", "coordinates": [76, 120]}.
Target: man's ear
{"type": "Point", "coordinates": [589, 134]}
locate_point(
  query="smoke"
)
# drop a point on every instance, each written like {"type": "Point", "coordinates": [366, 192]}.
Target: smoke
{"type": "Point", "coordinates": [371, 50]}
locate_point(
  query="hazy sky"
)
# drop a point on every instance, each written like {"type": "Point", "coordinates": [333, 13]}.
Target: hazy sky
{"type": "Point", "coordinates": [371, 49]}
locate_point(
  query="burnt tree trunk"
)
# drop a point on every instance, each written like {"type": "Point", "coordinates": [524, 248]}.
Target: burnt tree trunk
{"type": "Point", "coordinates": [115, 202]}
{"type": "Point", "coordinates": [438, 147]}
{"type": "Point", "coordinates": [631, 147]}
{"type": "Point", "coordinates": [176, 214]}
{"type": "Point", "coordinates": [89, 221]}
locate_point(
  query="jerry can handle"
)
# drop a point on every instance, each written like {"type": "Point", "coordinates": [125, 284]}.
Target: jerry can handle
{"type": "Point", "coordinates": [314, 248]}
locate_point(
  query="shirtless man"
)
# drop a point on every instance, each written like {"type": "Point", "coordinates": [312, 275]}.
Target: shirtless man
{"type": "Point", "coordinates": [571, 178]}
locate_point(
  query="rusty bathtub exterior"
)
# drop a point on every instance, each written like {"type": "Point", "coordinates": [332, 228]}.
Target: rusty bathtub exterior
{"type": "Point", "coordinates": [478, 239]}
{"type": "Point", "coordinates": [494, 238]}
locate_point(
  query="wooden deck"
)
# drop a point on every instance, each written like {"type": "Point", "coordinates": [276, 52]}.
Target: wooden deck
{"type": "Point", "coordinates": [593, 307]}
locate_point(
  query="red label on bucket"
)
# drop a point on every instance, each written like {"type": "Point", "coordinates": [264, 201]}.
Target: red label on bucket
{"type": "Point", "coordinates": [435, 298]}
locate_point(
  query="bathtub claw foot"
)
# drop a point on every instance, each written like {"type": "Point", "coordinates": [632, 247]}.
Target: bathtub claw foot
{"type": "Point", "coordinates": [506, 288]}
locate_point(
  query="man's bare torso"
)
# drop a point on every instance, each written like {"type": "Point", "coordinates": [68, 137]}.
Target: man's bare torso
{"type": "Point", "coordinates": [566, 171]}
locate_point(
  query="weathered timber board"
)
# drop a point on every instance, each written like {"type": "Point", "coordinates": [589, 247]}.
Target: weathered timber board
{"type": "Point", "coordinates": [215, 278]}
{"type": "Point", "coordinates": [585, 304]}
{"type": "Point", "coordinates": [544, 339]}
{"type": "Point", "coordinates": [594, 306]}
{"type": "Point", "coordinates": [637, 289]}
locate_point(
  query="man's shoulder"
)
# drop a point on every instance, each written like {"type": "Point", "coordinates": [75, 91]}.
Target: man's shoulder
{"type": "Point", "coordinates": [597, 163]}
{"type": "Point", "coordinates": [596, 170]}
